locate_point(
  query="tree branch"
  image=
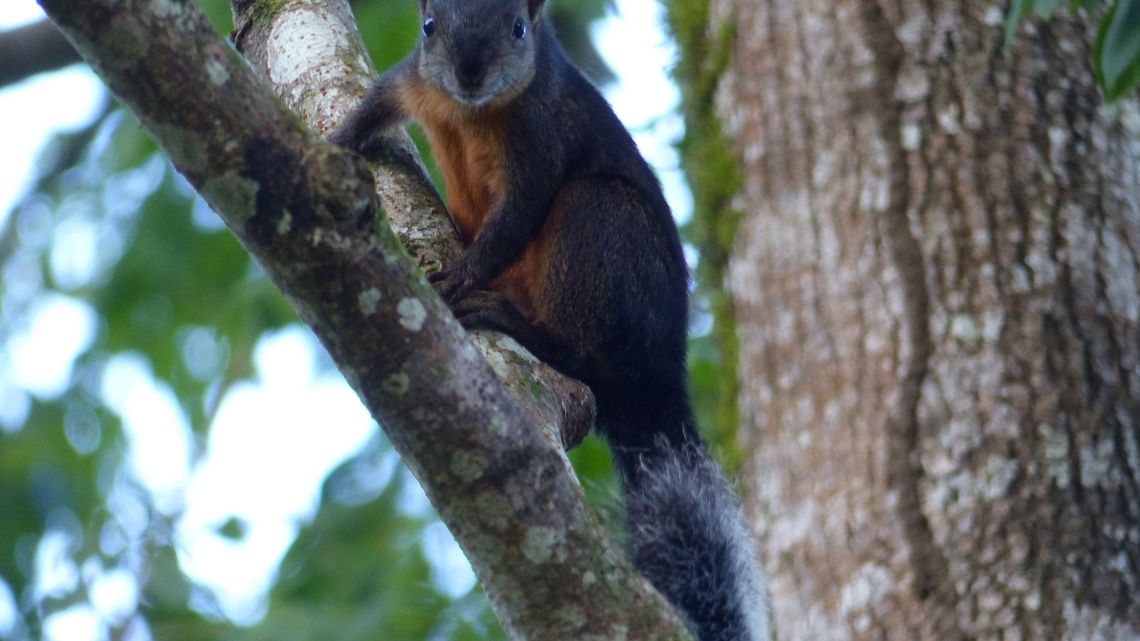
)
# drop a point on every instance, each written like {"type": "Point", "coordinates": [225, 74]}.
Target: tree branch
{"type": "Point", "coordinates": [307, 213]}
{"type": "Point", "coordinates": [31, 49]}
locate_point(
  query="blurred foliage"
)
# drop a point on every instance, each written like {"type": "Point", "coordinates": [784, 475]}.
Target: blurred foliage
{"type": "Point", "coordinates": [1116, 49]}
{"type": "Point", "coordinates": [713, 173]}
{"type": "Point", "coordinates": [111, 230]}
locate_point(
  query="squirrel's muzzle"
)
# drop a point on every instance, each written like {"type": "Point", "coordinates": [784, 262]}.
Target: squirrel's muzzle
{"type": "Point", "coordinates": [470, 72]}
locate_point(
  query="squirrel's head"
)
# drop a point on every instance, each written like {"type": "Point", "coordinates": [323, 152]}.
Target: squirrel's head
{"type": "Point", "coordinates": [480, 52]}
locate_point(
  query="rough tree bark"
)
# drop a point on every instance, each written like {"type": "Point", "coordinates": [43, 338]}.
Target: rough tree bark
{"type": "Point", "coordinates": [306, 211]}
{"type": "Point", "coordinates": [938, 295]}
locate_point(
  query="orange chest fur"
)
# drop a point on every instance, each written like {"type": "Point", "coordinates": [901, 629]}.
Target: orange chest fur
{"type": "Point", "coordinates": [470, 152]}
{"type": "Point", "coordinates": [474, 170]}
{"type": "Point", "coordinates": [472, 155]}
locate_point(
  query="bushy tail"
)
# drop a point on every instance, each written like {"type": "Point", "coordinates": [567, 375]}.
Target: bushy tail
{"type": "Point", "coordinates": [688, 537]}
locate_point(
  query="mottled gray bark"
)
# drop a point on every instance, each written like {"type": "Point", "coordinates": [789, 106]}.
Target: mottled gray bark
{"type": "Point", "coordinates": [938, 290]}
{"type": "Point", "coordinates": [306, 211]}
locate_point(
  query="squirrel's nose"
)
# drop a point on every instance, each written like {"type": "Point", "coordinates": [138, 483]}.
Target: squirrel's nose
{"type": "Point", "coordinates": [470, 72]}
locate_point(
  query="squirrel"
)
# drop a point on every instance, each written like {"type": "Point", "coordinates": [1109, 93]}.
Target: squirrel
{"type": "Point", "coordinates": [572, 250]}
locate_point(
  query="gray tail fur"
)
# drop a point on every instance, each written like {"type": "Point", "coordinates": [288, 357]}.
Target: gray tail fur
{"type": "Point", "coordinates": [688, 537]}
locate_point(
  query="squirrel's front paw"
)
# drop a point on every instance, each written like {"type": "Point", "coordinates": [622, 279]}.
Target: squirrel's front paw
{"type": "Point", "coordinates": [485, 309]}
{"type": "Point", "coordinates": [454, 282]}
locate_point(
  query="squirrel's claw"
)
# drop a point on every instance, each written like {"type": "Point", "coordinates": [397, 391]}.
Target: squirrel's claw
{"type": "Point", "coordinates": [483, 309]}
{"type": "Point", "coordinates": [453, 283]}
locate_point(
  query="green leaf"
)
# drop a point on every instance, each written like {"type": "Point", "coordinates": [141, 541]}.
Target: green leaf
{"type": "Point", "coordinates": [1013, 21]}
{"type": "Point", "coordinates": [1116, 52]}
{"type": "Point", "coordinates": [219, 13]}
{"type": "Point", "coordinates": [234, 529]}
{"type": "Point", "coordinates": [1044, 9]}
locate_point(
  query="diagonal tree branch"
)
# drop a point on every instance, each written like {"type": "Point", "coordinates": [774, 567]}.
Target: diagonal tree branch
{"type": "Point", "coordinates": [306, 211]}
{"type": "Point", "coordinates": [31, 49]}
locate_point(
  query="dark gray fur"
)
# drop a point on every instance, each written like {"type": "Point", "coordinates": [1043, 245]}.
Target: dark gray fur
{"type": "Point", "coordinates": [611, 304]}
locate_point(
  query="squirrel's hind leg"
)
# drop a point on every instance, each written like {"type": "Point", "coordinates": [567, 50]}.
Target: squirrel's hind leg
{"type": "Point", "coordinates": [488, 309]}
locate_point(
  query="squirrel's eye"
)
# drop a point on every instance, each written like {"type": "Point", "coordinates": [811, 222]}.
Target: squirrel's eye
{"type": "Point", "coordinates": [518, 32]}
{"type": "Point", "coordinates": [429, 27]}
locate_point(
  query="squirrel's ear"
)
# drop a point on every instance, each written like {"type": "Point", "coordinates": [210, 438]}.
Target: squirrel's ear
{"type": "Point", "coordinates": [423, 6]}
{"type": "Point", "coordinates": [535, 7]}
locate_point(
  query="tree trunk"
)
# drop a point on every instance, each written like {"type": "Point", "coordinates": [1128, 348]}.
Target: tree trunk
{"type": "Point", "coordinates": [936, 282]}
